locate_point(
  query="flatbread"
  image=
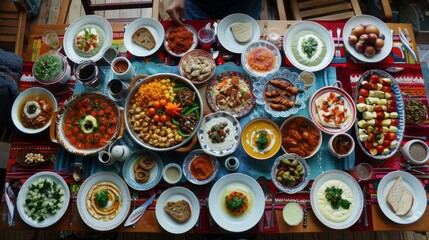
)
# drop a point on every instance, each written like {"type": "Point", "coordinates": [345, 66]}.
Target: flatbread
{"type": "Point", "coordinates": [143, 37]}
{"type": "Point", "coordinates": [179, 210]}
{"type": "Point", "coordinates": [242, 32]}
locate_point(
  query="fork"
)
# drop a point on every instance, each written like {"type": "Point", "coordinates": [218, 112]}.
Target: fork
{"type": "Point", "coordinates": [134, 198]}
{"type": "Point", "coordinates": [337, 50]}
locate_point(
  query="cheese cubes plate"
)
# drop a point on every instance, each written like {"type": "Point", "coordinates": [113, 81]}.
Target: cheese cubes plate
{"type": "Point", "coordinates": [380, 120]}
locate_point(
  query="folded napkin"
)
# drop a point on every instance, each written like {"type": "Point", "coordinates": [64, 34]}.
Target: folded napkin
{"type": "Point", "coordinates": [10, 206]}
{"type": "Point", "coordinates": [138, 212]}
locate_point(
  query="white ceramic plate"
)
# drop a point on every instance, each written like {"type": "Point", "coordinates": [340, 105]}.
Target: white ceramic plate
{"type": "Point", "coordinates": [225, 34]}
{"type": "Point", "coordinates": [254, 193]}
{"type": "Point", "coordinates": [357, 204]}
{"type": "Point", "coordinates": [18, 104]}
{"type": "Point", "coordinates": [311, 26]}
{"type": "Point", "coordinates": [264, 44]}
{"type": "Point", "coordinates": [155, 29]}
{"type": "Point", "coordinates": [167, 222]}
{"type": "Point", "coordinates": [155, 172]}
{"type": "Point", "coordinates": [234, 135]}
{"type": "Point", "coordinates": [23, 192]}
{"type": "Point", "coordinates": [414, 185]}
{"type": "Point", "coordinates": [71, 31]}
{"type": "Point", "coordinates": [193, 46]}
{"type": "Point", "coordinates": [367, 19]}
{"type": "Point", "coordinates": [83, 192]}
{"type": "Point", "coordinates": [348, 104]}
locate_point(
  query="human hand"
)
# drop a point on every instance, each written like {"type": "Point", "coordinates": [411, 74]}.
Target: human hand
{"type": "Point", "coordinates": [176, 11]}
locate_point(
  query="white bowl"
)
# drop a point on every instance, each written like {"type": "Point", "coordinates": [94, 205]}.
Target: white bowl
{"type": "Point", "coordinates": [164, 173]}
{"type": "Point", "coordinates": [407, 149]}
{"type": "Point", "coordinates": [19, 104]}
{"type": "Point", "coordinates": [293, 214]}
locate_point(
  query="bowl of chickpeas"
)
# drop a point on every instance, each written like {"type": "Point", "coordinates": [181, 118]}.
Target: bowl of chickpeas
{"type": "Point", "coordinates": [163, 112]}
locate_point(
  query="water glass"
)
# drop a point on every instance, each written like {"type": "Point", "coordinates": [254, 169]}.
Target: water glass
{"type": "Point", "coordinates": [50, 38]}
{"type": "Point", "coordinates": [362, 172]}
{"type": "Point", "coordinates": [206, 37]}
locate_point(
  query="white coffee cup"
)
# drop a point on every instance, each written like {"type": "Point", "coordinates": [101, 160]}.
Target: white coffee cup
{"type": "Point", "coordinates": [333, 144]}
{"type": "Point", "coordinates": [105, 158]}
{"type": "Point", "coordinates": [414, 152]}
{"type": "Point", "coordinates": [122, 68]}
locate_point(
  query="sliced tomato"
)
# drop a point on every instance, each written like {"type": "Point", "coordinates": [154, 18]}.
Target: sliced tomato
{"type": "Point", "coordinates": [373, 78]}
{"type": "Point", "coordinates": [392, 136]}
{"type": "Point", "coordinates": [361, 99]}
{"type": "Point", "coordinates": [367, 145]}
{"type": "Point", "coordinates": [111, 130]}
{"type": "Point", "coordinates": [364, 92]}
{"type": "Point", "coordinates": [380, 148]}
{"type": "Point", "coordinates": [386, 143]}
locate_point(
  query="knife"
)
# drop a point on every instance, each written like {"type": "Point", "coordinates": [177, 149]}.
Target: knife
{"type": "Point", "coordinates": [10, 207]}
{"type": "Point", "coordinates": [406, 44]}
{"type": "Point", "coordinates": [365, 214]}
{"type": "Point", "coordinates": [138, 212]}
{"type": "Point", "coordinates": [273, 210]}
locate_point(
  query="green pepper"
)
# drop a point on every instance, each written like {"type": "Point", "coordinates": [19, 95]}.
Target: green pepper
{"type": "Point", "coordinates": [179, 87]}
{"type": "Point", "coordinates": [185, 109]}
{"type": "Point", "coordinates": [183, 134]}
{"type": "Point", "coordinates": [191, 110]}
{"type": "Point", "coordinates": [197, 113]}
{"type": "Point", "coordinates": [175, 122]}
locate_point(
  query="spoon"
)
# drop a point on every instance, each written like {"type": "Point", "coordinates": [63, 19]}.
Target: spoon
{"type": "Point", "coordinates": [77, 171]}
{"type": "Point", "coordinates": [410, 168]}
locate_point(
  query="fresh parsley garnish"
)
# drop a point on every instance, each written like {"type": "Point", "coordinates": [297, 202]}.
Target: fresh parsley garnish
{"type": "Point", "coordinates": [333, 195]}
{"type": "Point", "coordinates": [235, 203]}
{"type": "Point", "coordinates": [262, 140]}
{"type": "Point", "coordinates": [102, 198]}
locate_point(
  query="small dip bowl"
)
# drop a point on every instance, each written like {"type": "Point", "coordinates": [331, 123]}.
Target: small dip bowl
{"type": "Point", "coordinates": [415, 152]}
{"type": "Point", "coordinates": [308, 78]}
{"type": "Point", "coordinates": [198, 162]}
{"type": "Point", "coordinates": [293, 214]}
{"type": "Point", "coordinates": [172, 173]}
{"type": "Point", "coordinates": [341, 145]}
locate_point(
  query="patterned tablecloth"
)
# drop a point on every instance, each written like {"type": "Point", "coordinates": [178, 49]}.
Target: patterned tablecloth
{"type": "Point", "coordinates": [344, 69]}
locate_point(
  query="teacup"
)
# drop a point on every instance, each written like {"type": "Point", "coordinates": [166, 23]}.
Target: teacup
{"type": "Point", "coordinates": [172, 173]}
{"type": "Point", "coordinates": [415, 152]}
{"type": "Point", "coordinates": [122, 68]}
{"type": "Point", "coordinates": [341, 145]}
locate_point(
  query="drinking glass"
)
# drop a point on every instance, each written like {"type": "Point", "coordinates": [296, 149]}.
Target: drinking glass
{"type": "Point", "coordinates": [362, 172]}
{"type": "Point", "coordinates": [206, 37]}
{"type": "Point", "coordinates": [51, 39]}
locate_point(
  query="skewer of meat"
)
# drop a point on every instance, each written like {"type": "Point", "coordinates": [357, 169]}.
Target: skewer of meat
{"type": "Point", "coordinates": [283, 101]}
{"type": "Point", "coordinates": [284, 86]}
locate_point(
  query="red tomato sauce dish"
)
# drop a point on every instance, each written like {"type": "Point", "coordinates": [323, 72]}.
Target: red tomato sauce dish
{"type": "Point", "coordinates": [90, 124]}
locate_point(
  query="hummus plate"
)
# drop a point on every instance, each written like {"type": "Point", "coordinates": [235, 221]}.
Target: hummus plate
{"type": "Point", "coordinates": [114, 185]}
{"type": "Point", "coordinates": [336, 218]}
{"type": "Point", "coordinates": [304, 31]}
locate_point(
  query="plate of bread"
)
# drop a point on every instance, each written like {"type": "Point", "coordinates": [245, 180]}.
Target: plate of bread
{"type": "Point", "coordinates": [237, 31]}
{"type": "Point", "coordinates": [177, 210]}
{"type": "Point", "coordinates": [143, 37]}
{"type": "Point", "coordinates": [401, 197]}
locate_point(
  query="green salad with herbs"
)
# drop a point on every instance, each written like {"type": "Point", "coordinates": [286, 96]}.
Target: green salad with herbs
{"type": "Point", "coordinates": [48, 67]}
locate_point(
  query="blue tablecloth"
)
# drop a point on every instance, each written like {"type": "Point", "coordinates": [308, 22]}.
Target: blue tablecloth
{"type": "Point", "coordinates": [320, 162]}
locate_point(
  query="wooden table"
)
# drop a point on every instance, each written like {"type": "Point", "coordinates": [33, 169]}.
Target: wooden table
{"type": "Point", "coordinates": [149, 224]}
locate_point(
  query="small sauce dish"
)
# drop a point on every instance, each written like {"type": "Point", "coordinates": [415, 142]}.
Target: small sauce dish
{"type": "Point", "coordinates": [172, 173]}
{"type": "Point", "coordinates": [415, 152]}
{"type": "Point", "coordinates": [341, 145]}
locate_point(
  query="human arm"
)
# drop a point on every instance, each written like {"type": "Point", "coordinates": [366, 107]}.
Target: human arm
{"type": "Point", "coordinates": [176, 11]}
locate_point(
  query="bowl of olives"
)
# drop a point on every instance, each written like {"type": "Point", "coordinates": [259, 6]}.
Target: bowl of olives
{"type": "Point", "coordinates": [367, 38]}
{"type": "Point", "coordinates": [290, 173]}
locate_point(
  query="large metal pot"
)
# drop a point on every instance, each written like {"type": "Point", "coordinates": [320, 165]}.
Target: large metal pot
{"type": "Point", "coordinates": [135, 85]}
